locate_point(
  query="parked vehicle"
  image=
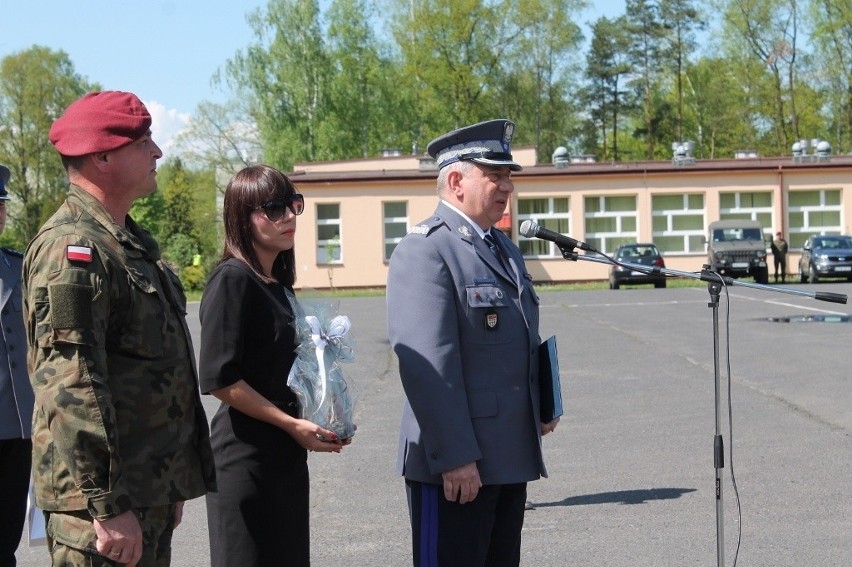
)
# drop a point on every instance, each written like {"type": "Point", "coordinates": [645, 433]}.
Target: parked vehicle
{"type": "Point", "coordinates": [637, 254]}
{"type": "Point", "coordinates": [826, 257]}
{"type": "Point", "coordinates": [737, 248]}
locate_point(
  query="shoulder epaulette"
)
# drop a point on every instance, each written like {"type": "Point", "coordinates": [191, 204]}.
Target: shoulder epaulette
{"type": "Point", "coordinates": [427, 226]}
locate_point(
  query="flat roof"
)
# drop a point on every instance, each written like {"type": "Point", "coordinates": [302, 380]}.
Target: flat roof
{"type": "Point", "coordinates": [587, 169]}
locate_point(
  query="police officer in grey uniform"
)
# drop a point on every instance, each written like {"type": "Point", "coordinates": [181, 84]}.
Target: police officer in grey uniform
{"type": "Point", "coordinates": [463, 321]}
{"type": "Point", "coordinates": [16, 397]}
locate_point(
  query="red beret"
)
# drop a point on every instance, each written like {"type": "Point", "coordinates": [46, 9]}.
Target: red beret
{"type": "Point", "coordinates": [100, 122]}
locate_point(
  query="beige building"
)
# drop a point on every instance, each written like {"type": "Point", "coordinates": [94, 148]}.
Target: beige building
{"type": "Point", "coordinates": [357, 210]}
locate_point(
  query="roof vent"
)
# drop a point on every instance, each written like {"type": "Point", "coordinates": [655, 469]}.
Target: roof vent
{"type": "Point", "coordinates": [583, 158]}
{"type": "Point", "coordinates": [561, 158]}
{"type": "Point", "coordinates": [820, 151]}
{"type": "Point", "coordinates": [682, 153]}
{"type": "Point", "coordinates": [745, 154]}
{"type": "Point", "coordinates": [427, 163]}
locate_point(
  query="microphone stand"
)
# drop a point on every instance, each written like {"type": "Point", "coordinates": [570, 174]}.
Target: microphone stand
{"type": "Point", "coordinates": [715, 282]}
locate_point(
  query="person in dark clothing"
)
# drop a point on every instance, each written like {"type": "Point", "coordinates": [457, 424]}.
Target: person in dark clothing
{"type": "Point", "coordinates": [259, 515]}
{"type": "Point", "coordinates": [16, 397]}
{"type": "Point", "coordinates": [779, 254]}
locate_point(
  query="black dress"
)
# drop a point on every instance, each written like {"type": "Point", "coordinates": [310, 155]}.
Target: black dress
{"type": "Point", "coordinates": [259, 516]}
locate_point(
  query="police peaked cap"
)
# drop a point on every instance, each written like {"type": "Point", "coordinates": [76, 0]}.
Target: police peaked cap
{"type": "Point", "coordinates": [486, 143]}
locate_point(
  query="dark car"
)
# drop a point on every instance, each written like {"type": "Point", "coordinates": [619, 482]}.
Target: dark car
{"type": "Point", "coordinates": [826, 257]}
{"type": "Point", "coordinates": [636, 254]}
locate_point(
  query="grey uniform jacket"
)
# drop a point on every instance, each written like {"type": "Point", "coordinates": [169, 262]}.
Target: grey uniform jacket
{"type": "Point", "coordinates": [465, 330]}
{"type": "Point", "coordinates": [16, 393]}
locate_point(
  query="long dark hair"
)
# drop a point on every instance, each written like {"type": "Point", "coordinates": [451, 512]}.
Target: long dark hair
{"type": "Point", "coordinates": [248, 189]}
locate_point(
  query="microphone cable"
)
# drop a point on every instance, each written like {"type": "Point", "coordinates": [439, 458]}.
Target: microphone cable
{"type": "Point", "coordinates": [731, 420]}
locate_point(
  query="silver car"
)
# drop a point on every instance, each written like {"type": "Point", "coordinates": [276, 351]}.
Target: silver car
{"type": "Point", "coordinates": [826, 257]}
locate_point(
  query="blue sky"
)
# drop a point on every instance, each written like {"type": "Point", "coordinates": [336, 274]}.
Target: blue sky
{"type": "Point", "coordinates": [165, 51]}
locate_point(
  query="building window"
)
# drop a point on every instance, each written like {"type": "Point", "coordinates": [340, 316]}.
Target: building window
{"type": "Point", "coordinates": [552, 213]}
{"type": "Point", "coordinates": [754, 206]}
{"type": "Point", "coordinates": [329, 245]}
{"type": "Point", "coordinates": [396, 224]}
{"type": "Point", "coordinates": [678, 222]}
{"type": "Point", "coordinates": [610, 221]}
{"type": "Point", "coordinates": [812, 212]}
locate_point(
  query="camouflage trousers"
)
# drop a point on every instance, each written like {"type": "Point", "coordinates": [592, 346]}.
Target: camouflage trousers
{"type": "Point", "coordinates": [71, 538]}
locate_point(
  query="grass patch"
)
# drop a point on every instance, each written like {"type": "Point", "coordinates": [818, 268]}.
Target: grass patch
{"type": "Point", "coordinates": [540, 287]}
{"type": "Point", "coordinates": [604, 284]}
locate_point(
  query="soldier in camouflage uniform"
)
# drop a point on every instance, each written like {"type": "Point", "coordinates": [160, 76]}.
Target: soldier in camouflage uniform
{"type": "Point", "coordinates": [120, 439]}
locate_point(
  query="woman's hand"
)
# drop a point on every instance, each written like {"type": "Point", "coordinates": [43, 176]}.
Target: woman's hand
{"type": "Point", "coordinates": [309, 435]}
{"type": "Point", "coordinates": [314, 438]}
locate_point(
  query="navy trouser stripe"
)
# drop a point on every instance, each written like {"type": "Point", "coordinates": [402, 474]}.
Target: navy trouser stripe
{"type": "Point", "coordinates": [429, 525]}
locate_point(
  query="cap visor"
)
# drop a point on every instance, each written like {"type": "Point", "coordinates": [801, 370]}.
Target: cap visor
{"type": "Point", "coordinates": [498, 163]}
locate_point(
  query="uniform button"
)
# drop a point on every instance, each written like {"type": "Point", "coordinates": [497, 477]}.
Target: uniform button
{"type": "Point", "coordinates": [433, 455]}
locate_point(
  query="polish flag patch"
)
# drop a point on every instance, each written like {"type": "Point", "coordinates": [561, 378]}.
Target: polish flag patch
{"type": "Point", "coordinates": [79, 253]}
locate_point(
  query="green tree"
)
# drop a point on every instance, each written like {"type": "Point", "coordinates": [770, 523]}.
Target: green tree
{"type": "Point", "coordinates": [222, 137]}
{"type": "Point", "coordinates": [368, 109]}
{"type": "Point", "coordinates": [832, 39]}
{"type": "Point", "coordinates": [149, 212]}
{"type": "Point", "coordinates": [768, 31]}
{"type": "Point", "coordinates": [714, 102]}
{"type": "Point", "coordinates": [36, 85]}
{"type": "Point", "coordinates": [607, 65]}
{"type": "Point", "coordinates": [182, 214]}
{"type": "Point", "coordinates": [453, 61]}
{"type": "Point", "coordinates": [285, 74]}
{"type": "Point", "coordinates": [680, 19]}
{"type": "Point", "coordinates": [647, 34]}
{"type": "Point", "coordinates": [541, 71]}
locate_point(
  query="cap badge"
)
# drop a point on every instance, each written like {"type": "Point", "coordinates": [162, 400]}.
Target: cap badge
{"type": "Point", "coordinates": [508, 132]}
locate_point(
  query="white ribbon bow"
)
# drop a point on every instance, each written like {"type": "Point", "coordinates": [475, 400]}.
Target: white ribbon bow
{"type": "Point", "coordinates": [338, 327]}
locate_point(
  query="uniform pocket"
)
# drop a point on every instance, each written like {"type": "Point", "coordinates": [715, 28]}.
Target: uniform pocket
{"type": "Point", "coordinates": [143, 324]}
{"type": "Point", "coordinates": [64, 311]}
{"type": "Point", "coordinates": [488, 313]}
{"type": "Point", "coordinates": [482, 404]}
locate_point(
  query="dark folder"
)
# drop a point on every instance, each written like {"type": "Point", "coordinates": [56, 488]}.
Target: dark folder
{"type": "Point", "coordinates": [548, 381]}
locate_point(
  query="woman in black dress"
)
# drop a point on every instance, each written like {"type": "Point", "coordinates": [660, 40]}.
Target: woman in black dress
{"type": "Point", "coordinates": [259, 515]}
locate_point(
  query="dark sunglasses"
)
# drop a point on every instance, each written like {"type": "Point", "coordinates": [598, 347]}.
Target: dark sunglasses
{"type": "Point", "coordinates": [275, 209]}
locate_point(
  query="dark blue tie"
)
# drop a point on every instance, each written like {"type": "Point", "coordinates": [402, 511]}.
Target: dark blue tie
{"type": "Point", "coordinates": [492, 244]}
{"type": "Point", "coordinates": [489, 240]}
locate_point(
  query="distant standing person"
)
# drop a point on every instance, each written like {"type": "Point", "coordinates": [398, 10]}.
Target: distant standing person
{"type": "Point", "coordinates": [259, 515]}
{"type": "Point", "coordinates": [120, 438]}
{"type": "Point", "coordinates": [779, 254]}
{"type": "Point", "coordinates": [16, 397]}
{"type": "Point", "coordinates": [463, 321]}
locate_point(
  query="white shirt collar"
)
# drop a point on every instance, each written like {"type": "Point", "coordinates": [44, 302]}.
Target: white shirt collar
{"type": "Point", "coordinates": [475, 226]}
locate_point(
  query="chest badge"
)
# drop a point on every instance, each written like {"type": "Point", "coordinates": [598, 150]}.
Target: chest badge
{"type": "Point", "coordinates": [464, 231]}
{"type": "Point", "coordinates": [491, 321]}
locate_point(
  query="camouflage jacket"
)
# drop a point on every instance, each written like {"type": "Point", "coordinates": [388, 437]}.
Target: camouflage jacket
{"type": "Point", "coordinates": [118, 421]}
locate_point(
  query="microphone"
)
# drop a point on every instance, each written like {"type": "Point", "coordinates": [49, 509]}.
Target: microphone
{"type": "Point", "coordinates": [531, 229]}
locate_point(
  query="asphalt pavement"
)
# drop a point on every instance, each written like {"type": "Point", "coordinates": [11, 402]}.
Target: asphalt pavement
{"type": "Point", "coordinates": [631, 469]}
